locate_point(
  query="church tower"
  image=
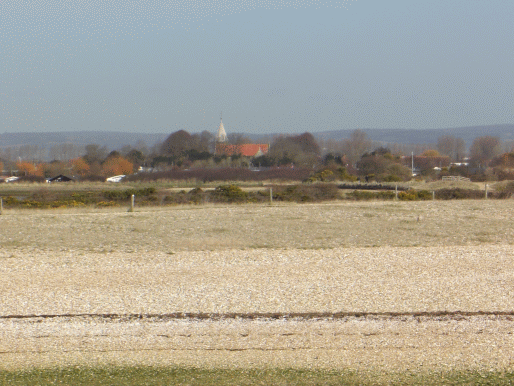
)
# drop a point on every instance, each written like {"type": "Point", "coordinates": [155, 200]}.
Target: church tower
{"type": "Point", "coordinates": [221, 136]}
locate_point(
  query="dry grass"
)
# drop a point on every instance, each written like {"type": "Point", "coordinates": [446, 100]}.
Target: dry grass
{"type": "Point", "coordinates": [363, 257]}
{"type": "Point", "coordinates": [307, 226]}
{"type": "Point", "coordinates": [436, 185]}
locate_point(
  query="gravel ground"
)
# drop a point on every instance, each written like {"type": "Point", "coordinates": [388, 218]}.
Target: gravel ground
{"type": "Point", "coordinates": [387, 279]}
{"type": "Point", "coordinates": [251, 259]}
{"type": "Point", "coordinates": [361, 343]}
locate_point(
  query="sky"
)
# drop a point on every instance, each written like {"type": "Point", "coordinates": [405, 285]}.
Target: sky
{"type": "Point", "coordinates": [274, 66]}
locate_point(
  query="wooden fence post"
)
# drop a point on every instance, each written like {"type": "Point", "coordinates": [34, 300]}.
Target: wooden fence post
{"type": "Point", "coordinates": [433, 194]}
{"type": "Point", "coordinates": [132, 203]}
{"type": "Point", "coordinates": [270, 195]}
{"type": "Point", "coordinates": [486, 191]}
{"type": "Point", "coordinates": [396, 192]}
{"type": "Point", "coordinates": [1, 205]}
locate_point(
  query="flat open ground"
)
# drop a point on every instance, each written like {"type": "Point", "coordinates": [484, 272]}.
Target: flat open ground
{"type": "Point", "coordinates": [379, 285]}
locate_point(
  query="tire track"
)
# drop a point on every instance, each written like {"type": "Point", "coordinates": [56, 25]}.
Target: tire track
{"type": "Point", "coordinates": [453, 315]}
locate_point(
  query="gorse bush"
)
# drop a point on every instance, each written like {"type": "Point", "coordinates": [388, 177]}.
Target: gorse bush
{"type": "Point", "coordinates": [392, 178]}
{"type": "Point", "coordinates": [459, 194]}
{"type": "Point", "coordinates": [229, 193]}
{"type": "Point", "coordinates": [306, 193]}
{"type": "Point", "coordinates": [107, 204]}
{"type": "Point", "coordinates": [290, 193]}
{"type": "Point", "coordinates": [196, 195]}
{"type": "Point", "coordinates": [371, 186]}
{"type": "Point", "coordinates": [322, 175]}
{"type": "Point", "coordinates": [363, 195]}
{"type": "Point", "coordinates": [409, 195]}
{"type": "Point", "coordinates": [10, 201]}
{"type": "Point", "coordinates": [127, 193]}
{"type": "Point", "coordinates": [424, 195]}
{"type": "Point", "coordinates": [343, 175]}
{"type": "Point", "coordinates": [44, 197]}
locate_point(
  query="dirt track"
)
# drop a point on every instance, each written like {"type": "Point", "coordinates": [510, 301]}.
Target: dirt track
{"type": "Point", "coordinates": [364, 343]}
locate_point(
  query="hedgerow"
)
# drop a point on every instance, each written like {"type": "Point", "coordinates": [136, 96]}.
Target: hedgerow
{"type": "Point", "coordinates": [362, 195]}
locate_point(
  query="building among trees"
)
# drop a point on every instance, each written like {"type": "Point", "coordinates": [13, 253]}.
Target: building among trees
{"type": "Point", "coordinates": [224, 147]}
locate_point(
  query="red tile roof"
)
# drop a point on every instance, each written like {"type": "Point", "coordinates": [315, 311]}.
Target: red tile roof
{"type": "Point", "coordinates": [246, 149]}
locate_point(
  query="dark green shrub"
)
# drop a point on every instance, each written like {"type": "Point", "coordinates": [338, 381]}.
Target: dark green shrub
{"type": "Point", "coordinates": [84, 197]}
{"type": "Point", "coordinates": [115, 194]}
{"type": "Point", "coordinates": [32, 204]}
{"type": "Point", "coordinates": [499, 195]}
{"type": "Point", "coordinates": [366, 195]}
{"type": "Point", "coordinates": [106, 203]}
{"type": "Point", "coordinates": [9, 201]}
{"type": "Point", "coordinates": [363, 195]}
{"type": "Point", "coordinates": [229, 193]}
{"type": "Point", "coordinates": [196, 195]}
{"type": "Point", "coordinates": [322, 175]}
{"type": "Point", "coordinates": [392, 178]}
{"type": "Point", "coordinates": [120, 195]}
{"type": "Point", "coordinates": [459, 194]}
{"type": "Point", "coordinates": [305, 193]}
{"type": "Point", "coordinates": [343, 175]}
{"type": "Point", "coordinates": [386, 195]}
{"type": "Point", "coordinates": [509, 187]}
{"type": "Point", "coordinates": [424, 195]}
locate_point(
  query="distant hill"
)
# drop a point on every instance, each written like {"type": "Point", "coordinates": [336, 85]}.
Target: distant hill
{"type": "Point", "coordinates": [111, 139]}
{"type": "Point", "coordinates": [408, 136]}
{"type": "Point", "coordinates": [116, 140]}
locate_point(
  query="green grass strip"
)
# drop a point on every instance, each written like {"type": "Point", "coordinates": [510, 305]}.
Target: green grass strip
{"type": "Point", "coordinates": [281, 377]}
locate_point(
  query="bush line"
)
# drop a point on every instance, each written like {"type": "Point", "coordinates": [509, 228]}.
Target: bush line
{"type": "Point", "coordinates": [231, 193]}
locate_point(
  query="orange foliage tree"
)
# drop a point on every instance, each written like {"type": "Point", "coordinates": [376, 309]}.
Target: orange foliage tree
{"type": "Point", "coordinates": [430, 153]}
{"type": "Point", "coordinates": [80, 166]}
{"type": "Point", "coordinates": [28, 169]}
{"type": "Point", "coordinates": [117, 165]}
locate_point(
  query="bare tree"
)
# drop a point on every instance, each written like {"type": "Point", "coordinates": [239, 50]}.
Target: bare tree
{"type": "Point", "coordinates": [483, 149]}
{"type": "Point", "coordinates": [95, 153]}
{"type": "Point", "coordinates": [451, 146]}
{"type": "Point", "coordinates": [141, 146]}
{"type": "Point", "coordinates": [32, 153]}
{"type": "Point", "coordinates": [238, 139]}
{"type": "Point", "coordinates": [204, 141]}
{"type": "Point", "coordinates": [299, 149]}
{"type": "Point", "coordinates": [7, 154]}
{"type": "Point", "coordinates": [65, 151]}
{"type": "Point", "coordinates": [508, 146]}
{"type": "Point", "coordinates": [356, 145]}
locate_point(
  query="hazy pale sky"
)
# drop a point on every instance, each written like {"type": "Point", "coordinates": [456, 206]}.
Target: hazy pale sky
{"type": "Point", "coordinates": [270, 66]}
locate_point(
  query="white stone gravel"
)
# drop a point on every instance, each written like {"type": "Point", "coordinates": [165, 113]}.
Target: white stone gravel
{"type": "Point", "coordinates": [392, 344]}
{"type": "Point", "coordinates": [251, 259]}
{"type": "Point", "coordinates": [387, 279]}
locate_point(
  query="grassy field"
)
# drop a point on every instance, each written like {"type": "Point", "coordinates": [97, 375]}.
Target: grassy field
{"type": "Point", "coordinates": [91, 296]}
{"type": "Point", "coordinates": [150, 376]}
{"type": "Point", "coordinates": [280, 226]}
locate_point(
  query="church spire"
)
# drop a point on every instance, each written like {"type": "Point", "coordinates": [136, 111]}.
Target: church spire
{"type": "Point", "coordinates": [221, 136]}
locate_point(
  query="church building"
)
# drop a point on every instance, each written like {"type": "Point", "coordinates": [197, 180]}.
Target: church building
{"type": "Point", "coordinates": [246, 149]}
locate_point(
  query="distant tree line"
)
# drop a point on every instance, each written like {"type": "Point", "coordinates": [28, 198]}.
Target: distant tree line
{"type": "Point", "coordinates": [356, 157]}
